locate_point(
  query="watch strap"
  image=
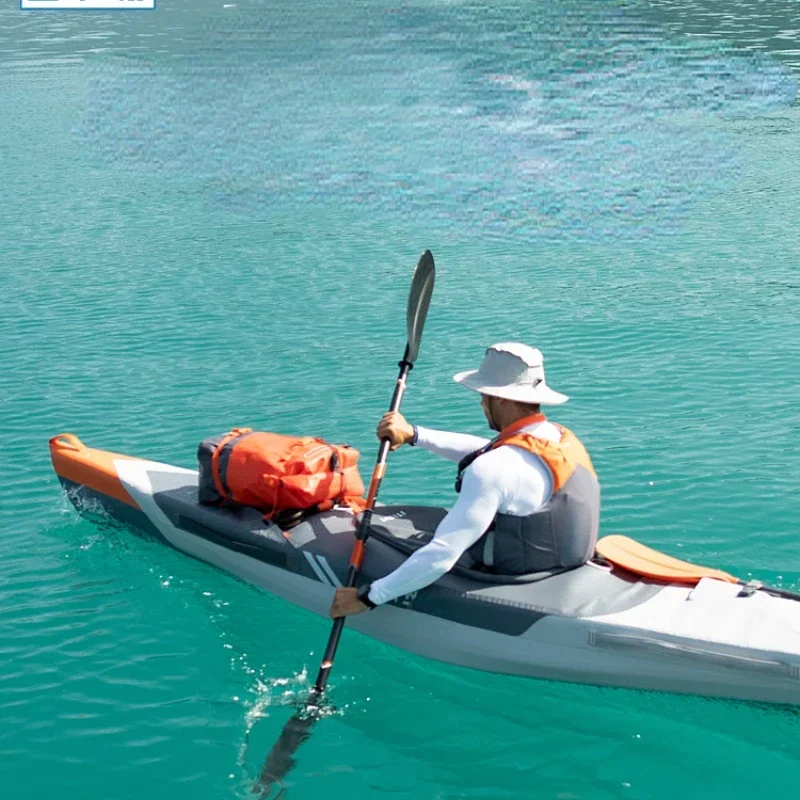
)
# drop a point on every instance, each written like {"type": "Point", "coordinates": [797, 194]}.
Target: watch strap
{"type": "Point", "coordinates": [363, 595]}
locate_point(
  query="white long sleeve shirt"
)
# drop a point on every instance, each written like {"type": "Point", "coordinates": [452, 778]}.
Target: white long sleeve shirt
{"type": "Point", "coordinates": [508, 480]}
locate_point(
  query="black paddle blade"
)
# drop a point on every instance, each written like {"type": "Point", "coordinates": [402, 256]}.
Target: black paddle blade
{"type": "Point", "coordinates": [280, 759]}
{"type": "Point", "coordinates": [419, 298]}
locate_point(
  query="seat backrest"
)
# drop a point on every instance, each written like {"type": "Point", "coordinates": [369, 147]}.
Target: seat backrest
{"type": "Point", "coordinates": [642, 560]}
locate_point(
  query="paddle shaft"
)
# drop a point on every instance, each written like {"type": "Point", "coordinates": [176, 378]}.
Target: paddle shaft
{"type": "Point", "coordinates": [362, 532]}
{"type": "Point", "coordinates": [281, 759]}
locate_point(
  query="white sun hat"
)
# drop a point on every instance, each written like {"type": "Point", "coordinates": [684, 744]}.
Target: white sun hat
{"type": "Point", "coordinates": [513, 371]}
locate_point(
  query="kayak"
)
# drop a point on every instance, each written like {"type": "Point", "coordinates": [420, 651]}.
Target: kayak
{"type": "Point", "coordinates": [634, 618]}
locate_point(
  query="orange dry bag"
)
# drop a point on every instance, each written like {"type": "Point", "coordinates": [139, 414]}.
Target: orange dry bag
{"type": "Point", "coordinates": [276, 473]}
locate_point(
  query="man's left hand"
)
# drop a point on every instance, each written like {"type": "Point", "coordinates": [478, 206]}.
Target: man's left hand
{"type": "Point", "coordinates": [346, 603]}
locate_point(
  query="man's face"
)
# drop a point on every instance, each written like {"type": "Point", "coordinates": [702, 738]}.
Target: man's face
{"type": "Point", "coordinates": [486, 405]}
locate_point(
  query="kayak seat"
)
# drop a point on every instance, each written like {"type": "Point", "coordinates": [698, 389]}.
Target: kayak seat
{"type": "Point", "coordinates": [407, 528]}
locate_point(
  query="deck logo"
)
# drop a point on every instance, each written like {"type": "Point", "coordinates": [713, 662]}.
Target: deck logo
{"type": "Point", "coordinates": [322, 569]}
{"type": "Point", "coordinates": [406, 600]}
{"type": "Point", "coordinates": [87, 5]}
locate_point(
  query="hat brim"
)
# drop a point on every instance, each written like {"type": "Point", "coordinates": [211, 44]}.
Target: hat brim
{"type": "Point", "coordinates": [542, 393]}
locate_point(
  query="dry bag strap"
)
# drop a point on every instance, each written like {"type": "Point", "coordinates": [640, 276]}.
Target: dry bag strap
{"type": "Point", "coordinates": [337, 466]}
{"type": "Point", "coordinates": [335, 463]}
{"type": "Point", "coordinates": [276, 484]}
{"type": "Point", "coordinates": [343, 497]}
{"type": "Point", "coordinates": [216, 473]}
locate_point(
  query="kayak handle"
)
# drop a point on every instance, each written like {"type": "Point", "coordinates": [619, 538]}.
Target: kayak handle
{"type": "Point", "coordinates": [67, 441]}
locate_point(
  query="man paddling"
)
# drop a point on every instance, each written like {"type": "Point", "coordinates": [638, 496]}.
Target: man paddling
{"type": "Point", "coordinates": [528, 500]}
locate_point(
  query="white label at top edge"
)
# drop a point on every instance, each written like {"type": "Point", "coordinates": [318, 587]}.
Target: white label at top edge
{"type": "Point", "coordinates": [87, 5]}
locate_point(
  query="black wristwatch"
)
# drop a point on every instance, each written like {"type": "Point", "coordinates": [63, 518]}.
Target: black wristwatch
{"type": "Point", "coordinates": [363, 595]}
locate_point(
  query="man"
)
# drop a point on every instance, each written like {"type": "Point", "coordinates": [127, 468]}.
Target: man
{"type": "Point", "coordinates": [528, 500]}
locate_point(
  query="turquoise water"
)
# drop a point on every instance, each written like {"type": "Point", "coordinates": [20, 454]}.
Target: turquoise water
{"type": "Point", "coordinates": [210, 217]}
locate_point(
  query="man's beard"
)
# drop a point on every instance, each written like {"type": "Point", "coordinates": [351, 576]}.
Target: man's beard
{"type": "Point", "coordinates": [493, 426]}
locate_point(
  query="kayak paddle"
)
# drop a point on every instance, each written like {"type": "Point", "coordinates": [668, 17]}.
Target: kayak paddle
{"type": "Point", "coordinates": [281, 758]}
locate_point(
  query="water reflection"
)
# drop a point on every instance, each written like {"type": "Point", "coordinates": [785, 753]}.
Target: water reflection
{"type": "Point", "coordinates": [32, 39]}
{"type": "Point", "coordinates": [772, 26]}
{"type": "Point", "coordinates": [567, 119]}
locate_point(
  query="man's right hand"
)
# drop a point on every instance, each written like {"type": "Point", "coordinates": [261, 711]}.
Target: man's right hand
{"type": "Point", "coordinates": [393, 426]}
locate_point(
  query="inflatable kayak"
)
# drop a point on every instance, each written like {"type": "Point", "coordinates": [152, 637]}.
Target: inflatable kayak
{"type": "Point", "coordinates": [634, 618]}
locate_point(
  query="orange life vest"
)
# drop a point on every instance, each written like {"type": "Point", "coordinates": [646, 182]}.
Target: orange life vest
{"type": "Point", "coordinates": [562, 457]}
{"type": "Point", "coordinates": [563, 532]}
